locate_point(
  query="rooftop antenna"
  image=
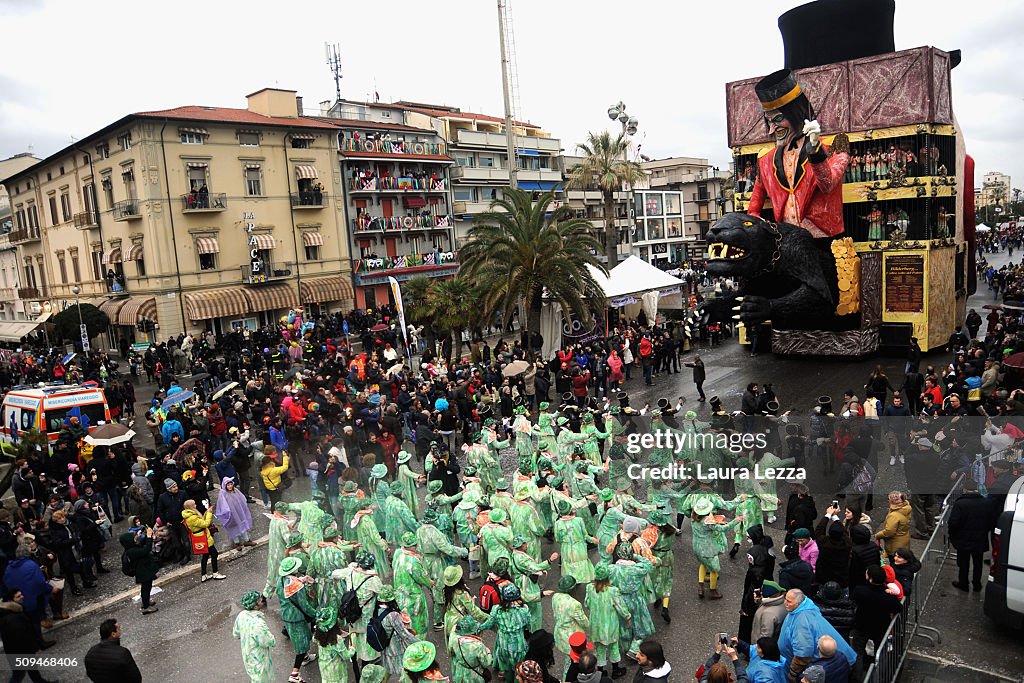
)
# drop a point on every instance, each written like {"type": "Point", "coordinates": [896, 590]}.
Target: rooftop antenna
{"type": "Point", "coordinates": [333, 55]}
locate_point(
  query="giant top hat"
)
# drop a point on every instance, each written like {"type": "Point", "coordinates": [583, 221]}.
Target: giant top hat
{"type": "Point", "coordinates": [777, 89]}
{"type": "Point", "coordinates": [830, 31]}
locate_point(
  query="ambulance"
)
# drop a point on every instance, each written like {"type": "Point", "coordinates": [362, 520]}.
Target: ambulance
{"type": "Point", "coordinates": [45, 408]}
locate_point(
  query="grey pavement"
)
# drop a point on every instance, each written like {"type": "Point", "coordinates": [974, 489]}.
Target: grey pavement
{"type": "Point", "coordinates": [190, 637]}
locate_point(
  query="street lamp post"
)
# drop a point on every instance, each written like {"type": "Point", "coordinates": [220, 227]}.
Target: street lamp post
{"type": "Point", "coordinates": [617, 112]}
{"type": "Point", "coordinates": [76, 290]}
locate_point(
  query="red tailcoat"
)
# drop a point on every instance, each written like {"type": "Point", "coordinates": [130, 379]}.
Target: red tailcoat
{"type": "Point", "coordinates": [818, 187]}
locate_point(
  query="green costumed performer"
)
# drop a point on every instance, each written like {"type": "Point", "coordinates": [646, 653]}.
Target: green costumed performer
{"type": "Point", "coordinates": [327, 557]}
{"type": "Point", "coordinates": [438, 552]}
{"type": "Point", "coordinates": [420, 664]}
{"type": "Point", "coordinates": [277, 543]}
{"type": "Point", "coordinates": [295, 547]}
{"type": "Point", "coordinates": [580, 482]}
{"type": "Point", "coordinates": [618, 464]}
{"type": "Point", "coordinates": [592, 446]}
{"type": "Point", "coordinates": [396, 627]}
{"type": "Point", "coordinates": [566, 440]}
{"type": "Point", "coordinates": [412, 583]}
{"type": "Point", "coordinates": [629, 575]}
{"type": "Point", "coordinates": [361, 576]}
{"type": "Point", "coordinates": [311, 521]}
{"type": "Point", "coordinates": [297, 609]}
{"type": "Point", "coordinates": [464, 520]}
{"type": "Point", "coordinates": [526, 573]}
{"type": "Point", "coordinates": [502, 498]}
{"type": "Point", "coordinates": [747, 503]}
{"type": "Point", "coordinates": [659, 536]}
{"type": "Point", "coordinates": [765, 488]}
{"type": "Point", "coordinates": [372, 673]}
{"type": "Point", "coordinates": [609, 617]}
{"type": "Point", "coordinates": [610, 522]}
{"type": "Point", "coordinates": [525, 521]}
{"type": "Point", "coordinates": [257, 640]}
{"type": "Point", "coordinates": [471, 658]}
{"type": "Point", "coordinates": [409, 481]}
{"type": "Point", "coordinates": [509, 619]}
{"type": "Point", "coordinates": [709, 541]}
{"type": "Point", "coordinates": [398, 517]}
{"type": "Point", "coordinates": [368, 537]}
{"type": "Point", "coordinates": [571, 535]}
{"type": "Point", "coordinates": [379, 490]}
{"type": "Point", "coordinates": [442, 504]}
{"type": "Point", "coordinates": [335, 651]}
{"type": "Point", "coordinates": [521, 427]}
{"type": "Point", "coordinates": [570, 617]}
{"type": "Point", "coordinates": [457, 600]}
{"type": "Point", "coordinates": [495, 539]}
{"type": "Point", "coordinates": [349, 501]}
{"type": "Point", "coordinates": [478, 456]}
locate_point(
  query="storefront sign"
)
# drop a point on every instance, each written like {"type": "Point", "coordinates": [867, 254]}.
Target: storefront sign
{"type": "Point", "coordinates": [904, 284]}
{"type": "Point", "coordinates": [576, 331]}
{"type": "Point", "coordinates": [257, 268]}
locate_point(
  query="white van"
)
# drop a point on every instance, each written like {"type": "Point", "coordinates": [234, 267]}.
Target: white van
{"type": "Point", "coordinates": [44, 408]}
{"type": "Point", "coordinates": [1004, 594]}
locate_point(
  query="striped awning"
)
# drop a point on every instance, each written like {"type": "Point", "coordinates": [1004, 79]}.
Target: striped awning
{"type": "Point", "coordinates": [134, 253]}
{"type": "Point", "coordinates": [196, 164]}
{"type": "Point", "coordinates": [312, 238]}
{"type": "Point", "coordinates": [271, 297]}
{"type": "Point", "coordinates": [303, 136]}
{"type": "Point", "coordinates": [111, 307]}
{"type": "Point", "coordinates": [197, 131]}
{"type": "Point", "coordinates": [207, 245]}
{"type": "Point", "coordinates": [136, 309]}
{"type": "Point", "coordinates": [112, 256]}
{"type": "Point", "coordinates": [252, 166]}
{"type": "Point", "coordinates": [319, 290]}
{"type": "Point", "coordinates": [219, 303]}
{"type": "Point", "coordinates": [265, 242]}
{"type": "Point", "coordinates": [306, 172]}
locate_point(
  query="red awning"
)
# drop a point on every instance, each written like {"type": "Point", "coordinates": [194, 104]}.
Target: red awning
{"type": "Point", "coordinates": [415, 202]}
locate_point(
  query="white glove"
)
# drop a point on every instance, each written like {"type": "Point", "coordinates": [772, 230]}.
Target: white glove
{"type": "Point", "coordinates": [812, 129]}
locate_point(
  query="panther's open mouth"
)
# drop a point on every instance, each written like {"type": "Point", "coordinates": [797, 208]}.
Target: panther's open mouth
{"type": "Point", "coordinates": [721, 250]}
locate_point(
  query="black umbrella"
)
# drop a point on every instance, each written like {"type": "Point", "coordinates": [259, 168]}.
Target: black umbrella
{"type": "Point", "coordinates": [200, 377]}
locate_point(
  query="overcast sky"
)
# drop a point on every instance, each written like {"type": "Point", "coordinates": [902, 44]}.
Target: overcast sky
{"type": "Point", "coordinates": [70, 67]}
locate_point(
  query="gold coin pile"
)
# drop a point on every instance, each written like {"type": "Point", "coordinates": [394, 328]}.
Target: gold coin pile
{"type": "Point", "coordinates": [848, 274]}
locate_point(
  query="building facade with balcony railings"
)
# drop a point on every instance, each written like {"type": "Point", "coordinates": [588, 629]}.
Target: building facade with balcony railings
{"type": "Point", "coordinates": [396, 191]}
{"type": "Point", "coordinates": [478, 146]}
{"type": "Point", "coordinates": [162, 215]}
{"type": "Point", "coordinates": [683, 198]}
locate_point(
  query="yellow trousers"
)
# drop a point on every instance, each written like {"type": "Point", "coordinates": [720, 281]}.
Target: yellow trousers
{"type": "Point", "coordinates": [703, 572]}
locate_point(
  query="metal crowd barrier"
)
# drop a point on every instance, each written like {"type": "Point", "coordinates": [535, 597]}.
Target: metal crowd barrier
{"type": "Point", "coordinates": [891, 653]}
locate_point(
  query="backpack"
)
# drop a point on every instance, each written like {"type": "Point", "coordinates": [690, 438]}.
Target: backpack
{"type": "Point", "coordinates": [490, 593]}
{"type": "Point", "coordinates": [127, 564]}
{"type": "Point", "coordinates": [377, 636]}
{"type": "Point", "coordinates": [350, 609]}
{"type": "Point", "coordinates": [864, 478]}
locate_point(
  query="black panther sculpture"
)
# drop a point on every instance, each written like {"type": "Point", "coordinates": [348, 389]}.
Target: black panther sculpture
{"type": "Point", "coordinates": [785, 275]}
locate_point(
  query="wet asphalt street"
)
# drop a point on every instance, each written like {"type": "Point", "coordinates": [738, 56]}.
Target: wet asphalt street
{"type": "Point", "coordinates": [189, 639]}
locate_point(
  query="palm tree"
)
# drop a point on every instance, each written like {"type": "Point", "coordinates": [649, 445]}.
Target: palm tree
{"type": "Point", "coordinates": [522, 252]}
{"type": "Point", "coordinates": [454, 306]}
{"type": "Point", "coordinates": [605, 166]}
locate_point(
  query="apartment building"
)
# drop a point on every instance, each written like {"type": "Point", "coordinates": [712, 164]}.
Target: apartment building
{"type": "Point", "coordinates": [478, 145]}
{"type": "Point", "coordinates": [673, 215]}
{"type": "Point", "coordinates": [996, 190]}
{"type": "Point", "coordinates": [193, 218]}
{"type": "Point", "coordinates": [589, 204]}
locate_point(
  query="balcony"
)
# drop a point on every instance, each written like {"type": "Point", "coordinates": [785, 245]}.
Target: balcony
{"type": "Point", "coordinates": [199, 202]}
{"type": "Point", "coordinates": [127, 210]}
{"type": "Point", "coordinates": [595, 195]}
{"type": "Point", "coordinates": [23, 235]}
{"type": "Point", "coordinates": [400, 184]}
{"type": "Point", "coordinates": [377, 224]}
{"type": "Point", "coordinates": [309, 200]}
{"type": "Point", "coordinates": [426, 261]}
{"type": "Point", "coordinates": [480, 173]}
{"type": "Point", "coordinates": [85, 219]}
{"type": "Point", "coordinates": [472, 207]}
{"type": "Point", "coordinates": [390, 147]}
{"type": "Point", "coordinates": [269, 273]}
{"type": "Point", "coordinates": [472, 138]}
{"type": "Point", "coordinates": [539, 175]}
{"type": "Point", "coordinates": [29, 293]}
